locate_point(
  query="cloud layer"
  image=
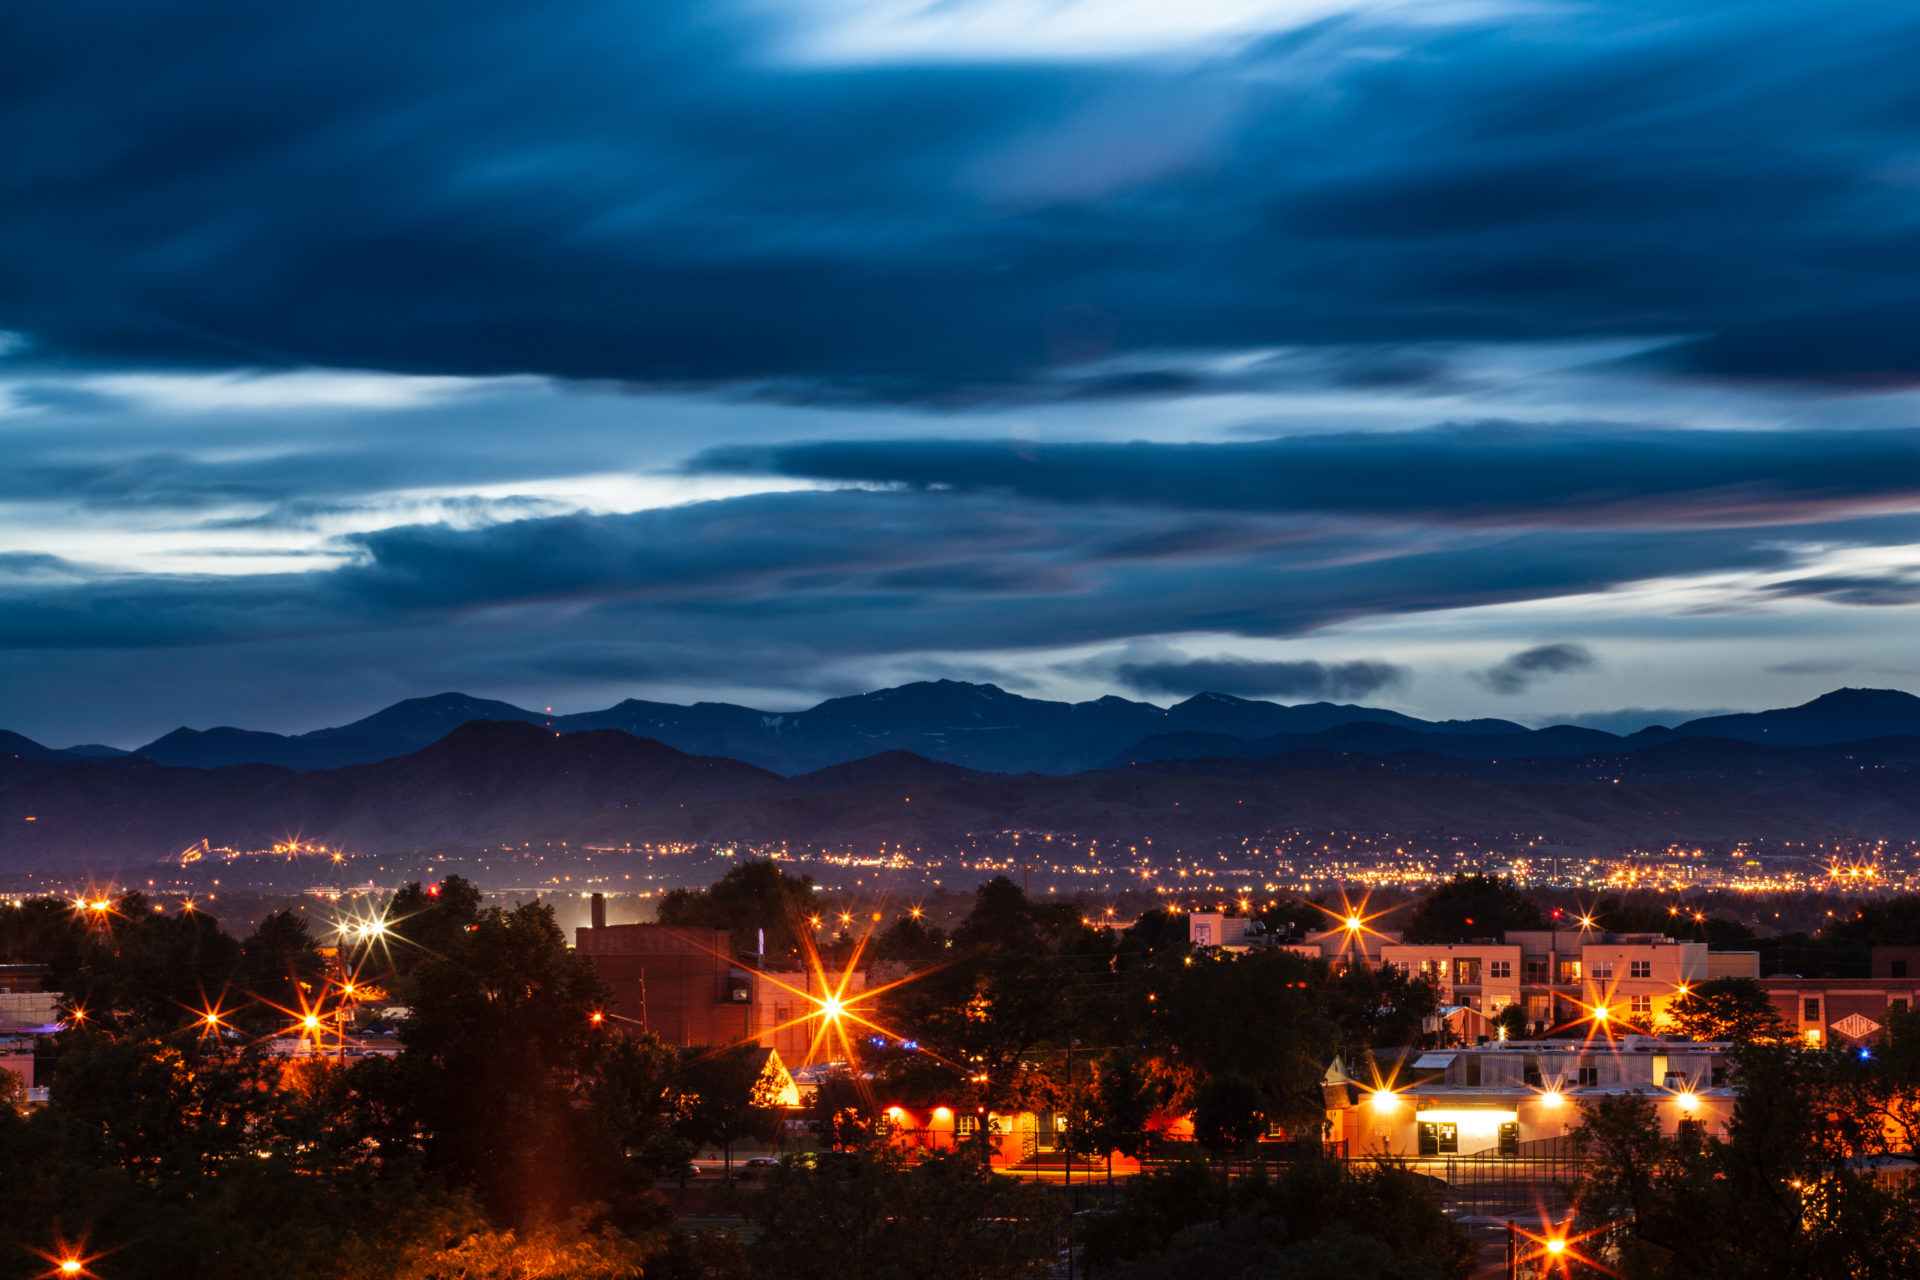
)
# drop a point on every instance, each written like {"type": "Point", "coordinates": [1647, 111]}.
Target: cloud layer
{"type": "Point", "coordinates": [734, 348]}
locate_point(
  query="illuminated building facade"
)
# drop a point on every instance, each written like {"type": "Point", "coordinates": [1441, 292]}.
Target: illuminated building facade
{"type": "Point", "coordinates": [1518, 1098]}
{"type": "Point", "coordinates": [1560, 976]}
{"type": "Point", "coordinates": [1851, 1012]}
{"type": "Point", "coordinates": [678, 981]}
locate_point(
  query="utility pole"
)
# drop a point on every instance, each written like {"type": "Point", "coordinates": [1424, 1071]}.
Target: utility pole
{"type": "Point", "coordinates": [1513, 1254]}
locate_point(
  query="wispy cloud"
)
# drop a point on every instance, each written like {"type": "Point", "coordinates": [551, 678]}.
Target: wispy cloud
{"type": "Point", "coordinates": [1519, 672]}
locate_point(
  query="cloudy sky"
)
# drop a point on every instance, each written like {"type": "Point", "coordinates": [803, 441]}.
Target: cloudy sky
{"type": "Point", "coordinates": [1531, 359]}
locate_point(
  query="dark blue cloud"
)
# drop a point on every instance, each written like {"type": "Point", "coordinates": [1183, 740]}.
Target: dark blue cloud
{"type": "Point", "coordinates": [1252, 678]}
{"type": "Point", "coordinates": [1491, 471]}
{"type": "Point", "coordinates": [852, 573]}
{"type": "Point", "coordinates": [1518, 672]}
{"type": "Point", "coordinates": [650, 193]}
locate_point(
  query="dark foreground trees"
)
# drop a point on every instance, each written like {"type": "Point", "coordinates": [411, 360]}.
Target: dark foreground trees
{"type": "Point", "coordinates": [1789, 1193]}
{"type": "Point", "coordinates": [947, 1218]}
{"type": "Point", "coordinates": [1314, 1218]}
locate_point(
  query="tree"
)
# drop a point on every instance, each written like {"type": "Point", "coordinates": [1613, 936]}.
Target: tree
{"type": "Point", "coordinates": [1257, 1016]}
{"type": "Point", "coordinates": [1472, 906]}
{"type": "Point", "coordinates": [1736, 1009]}
{"type": "Point", "coordinates": [755, 897]}
{"type": "Point", "coordinates": [1776, 1198]}
{"type": "Point", "coordinates": [1316, 1218]}
{"type": "Point", "coordinates": [428, 922]}
{"type": "Point", "coordinates": [634, 1091]}
{"type": "Point", "coordinates": [280, 964]}
{"type": "Point", "coordinates": [946, 1218]}
{"type": "Point", "coordinates": [1383, 1006]}
{"type": "Point", "coordinates": [727, 1095]}
{"type": "Point", "coordinates": [1128, 1098]}
{"type": "Point", "coordinates": [1228, 1113]}
{"type": "Point", "coordinates": [1513, 1022]}
{"type": "Point", "coordinates": [499, 1045]}
{"type": "Point", "coordinates": [841, 1113]}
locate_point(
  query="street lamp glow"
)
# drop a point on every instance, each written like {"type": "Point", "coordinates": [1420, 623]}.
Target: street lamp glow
{"type": "Point", "coordinates": [1600, 1013]}
{"type": "Point", "coordinates": [1353, 923]}
{"type": "Point", "coordinates": [1688, 1101]}
{"type": "Point", "coordinates": [1551, 1098]}
{"type": "Point", "coordinates": [71, 1267]}
{"type": "Point", "coordinates": [1385, 1101]}
{"type": "Point", "coordinates": [1556, 1245]}
{"type": "Point", "coordinates": [831, 1008]}
{"type": "Point", "coordinates": [311, 1022]}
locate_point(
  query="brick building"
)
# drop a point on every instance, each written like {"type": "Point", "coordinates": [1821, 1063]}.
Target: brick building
{"type": "Point", "coordinates": [683, 983]}
{"type": "Point", "coordinates": [1849, 1011]}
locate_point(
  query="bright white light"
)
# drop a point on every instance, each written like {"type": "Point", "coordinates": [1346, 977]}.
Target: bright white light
{"type": "Point", "coordinates": [1386, 1101]}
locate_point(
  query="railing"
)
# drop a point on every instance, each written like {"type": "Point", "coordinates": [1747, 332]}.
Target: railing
{"type": "Point", "coordinates": [1495, 1186]}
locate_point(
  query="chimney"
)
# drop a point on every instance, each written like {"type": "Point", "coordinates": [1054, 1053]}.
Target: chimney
{"type": "Point", "coordinates": [599, 909]}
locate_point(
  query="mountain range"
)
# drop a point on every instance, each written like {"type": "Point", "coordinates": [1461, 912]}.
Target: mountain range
{"type": "Point", "coordinates": [487, 782]}
{"type": "Point", "coordinates": [983, 727]}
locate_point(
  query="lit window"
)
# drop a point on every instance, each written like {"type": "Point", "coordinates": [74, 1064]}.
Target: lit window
{"type": "Point", "coordinates": [1642, 1005]}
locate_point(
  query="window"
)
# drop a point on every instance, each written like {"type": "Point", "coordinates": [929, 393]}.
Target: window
{"type": "Point", "coordinates": [1203, 934]}
{"type": "Point", "coordinates": [1602, 971]}
{"type": "Point", "coordinates": [1810, 1009]}
{"type": "Point", "coordinates": [1642, 1006]}
{"type": "Point", "coordinates": [1897, 1004]}
{"type": "Point", "coordinates": [1536, 969]}
{"type": "Point", "coordinates": [1640, 968]}
{"type": "Point", "coordinates": [1499, 968]}
{"type": "Point", "coordinates": [964, 1125]}
{"type": "Point", "coordinates": [1589, 1077]}
{"type": "Point", "coordinates": [1899, 968]}
{"type": "Point", "coordinates": [1466, 973]}
{"type": "Point", "coordinates": [1473, 1072]}
{"type": "Point", "coordinates": [1569, 971]}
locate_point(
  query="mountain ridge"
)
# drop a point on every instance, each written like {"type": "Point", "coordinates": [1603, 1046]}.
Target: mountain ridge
{"type": "Point", "coordinates": [494, 783]}
{"type": "Point", "coordinates": [985, 728]}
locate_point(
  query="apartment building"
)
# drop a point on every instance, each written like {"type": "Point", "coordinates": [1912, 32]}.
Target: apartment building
{"type": "Point", "coordinates": [1560, 976]}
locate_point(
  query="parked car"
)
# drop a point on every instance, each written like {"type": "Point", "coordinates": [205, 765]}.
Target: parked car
{"type": "Point", "coordinates": [757, 1166]}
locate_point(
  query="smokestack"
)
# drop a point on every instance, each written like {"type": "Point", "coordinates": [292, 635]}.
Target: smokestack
{"type": "Point", "coordinates": [599, 909]}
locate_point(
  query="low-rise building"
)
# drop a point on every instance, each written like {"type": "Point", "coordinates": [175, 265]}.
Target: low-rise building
{"type": "Point", "coordinates": [1512, 1098]}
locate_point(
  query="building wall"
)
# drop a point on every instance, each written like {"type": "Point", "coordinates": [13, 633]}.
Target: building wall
{"type": "Point", "coordinates": [1494, 966]}
{"type": "Point", "coordinates": [1733, 964]}
{"type": "Point", "coordinates": [785, 1020]}
{"type": "Point", "coordinates": [1538, 1088]}
{"type": "Point", "coordinates": [1896, 962]}
{"type": "Point", "coordinates": [1638, 980]}
{"type": "Point", "coordinates": [678, 981]}
{"type": "Point", "coordinates": [20, 1064]}
{"type": "Point", "coordinates": [1841, 1011]}
{"type": "Point", "coordinates": [29, 1008]}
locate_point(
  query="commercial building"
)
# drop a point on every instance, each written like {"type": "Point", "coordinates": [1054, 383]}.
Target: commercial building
{"type": "Point", "coordinates": [1515, 1098]}
{"type": "Point", "coordinates": [1849, 1012]}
